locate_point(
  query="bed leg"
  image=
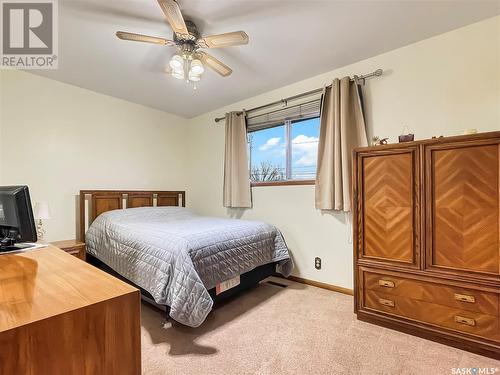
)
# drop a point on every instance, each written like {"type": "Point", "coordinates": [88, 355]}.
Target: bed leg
{"type": "Point", "coordinates": [168, 319]}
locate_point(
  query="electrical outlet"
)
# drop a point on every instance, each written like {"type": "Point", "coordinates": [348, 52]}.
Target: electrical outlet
{"type": "Point", "coordinates": [317, 263]}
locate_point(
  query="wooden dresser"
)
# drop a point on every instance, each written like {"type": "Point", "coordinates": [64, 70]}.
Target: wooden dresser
{"type": "Point", "coordinates": [426, 239]}
{"type": "Point", "coordinates": [59, 315]}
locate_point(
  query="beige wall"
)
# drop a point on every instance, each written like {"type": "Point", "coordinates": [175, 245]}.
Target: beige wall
{"type": "Point", "coordinates": [439, 86]}
{"type": "Point", "coordinates": [59, 138]}
{"type": "Point", "coordinates": [2, 110]}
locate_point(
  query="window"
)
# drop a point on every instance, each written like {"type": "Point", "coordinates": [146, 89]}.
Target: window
{"type": "Point", "coordinates": [284, 152]}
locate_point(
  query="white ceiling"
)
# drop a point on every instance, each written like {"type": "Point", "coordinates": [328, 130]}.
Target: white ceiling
{"type": "Point", "coordinates": [290, 40]}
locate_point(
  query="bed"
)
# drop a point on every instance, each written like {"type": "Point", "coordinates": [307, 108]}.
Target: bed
{"type": "Point", "coordinates": [179, 259]}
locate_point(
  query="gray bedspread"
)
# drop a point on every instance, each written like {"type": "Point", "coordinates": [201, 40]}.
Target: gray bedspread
{"type": "Point", "coordinates": [177, 255]}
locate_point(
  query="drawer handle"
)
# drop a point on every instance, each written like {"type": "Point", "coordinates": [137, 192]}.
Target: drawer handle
{"type": "Point", "coordinates": [464, 320]}
{"type": "Point", "coordinates": [465, 298]}
{"type": "Point", "coordinates": [386, 302]}
{"type": "Point", "coordinates": [386, 283]}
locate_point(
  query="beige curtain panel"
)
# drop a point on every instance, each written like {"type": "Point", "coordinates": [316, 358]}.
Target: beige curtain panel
{"type": "Point", "coordinates": [342, 128]}
{"type": "Point", "coordinates": [236, 173]}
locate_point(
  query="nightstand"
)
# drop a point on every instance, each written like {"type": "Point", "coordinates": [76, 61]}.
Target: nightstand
{"type": "Point", "coordinates": [72, 247]}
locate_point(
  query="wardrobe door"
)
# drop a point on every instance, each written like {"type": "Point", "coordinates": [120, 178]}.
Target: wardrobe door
{"type": "Point", "coordinates": [462, 208]}
{"type": "Point", "coordinates": [388, 207]}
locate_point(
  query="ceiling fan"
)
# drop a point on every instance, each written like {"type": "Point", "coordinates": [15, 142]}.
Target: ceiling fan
{"type": "Point", "coordinates": [188, 62]}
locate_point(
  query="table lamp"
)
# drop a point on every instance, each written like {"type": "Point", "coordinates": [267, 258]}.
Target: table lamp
{"type": "Point", "coordinates": [42, 212]}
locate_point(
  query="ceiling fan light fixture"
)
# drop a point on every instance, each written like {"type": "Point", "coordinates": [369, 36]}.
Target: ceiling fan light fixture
{"type": "Point", "coordinates": [194, 77]}
{"type": "Point", "coordinates": [178, 73]}
{"type": "Point", "coordinates": [189, 62]}
{"type": "Point", "coordinates": [176, 62]}
{"type": "Point", "coordinates": [196, 67]}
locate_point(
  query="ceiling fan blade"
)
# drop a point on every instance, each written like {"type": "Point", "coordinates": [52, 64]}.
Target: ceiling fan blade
{"type": "Point", "coordinates": [215, 64]}
{"type": "Point", "coordinates": [174, 16]}
{"type": "Point", "coordinates": [143, 38]}
{"type": "Point", "coordinates": [235, 38]}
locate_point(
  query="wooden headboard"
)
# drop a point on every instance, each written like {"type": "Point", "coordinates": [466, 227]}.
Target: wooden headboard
{"type": "Point", "coordinates": [95, 202]}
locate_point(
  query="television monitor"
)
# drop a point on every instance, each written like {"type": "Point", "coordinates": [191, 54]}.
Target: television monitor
{"type": "Point", "coordinates": [17, 224]}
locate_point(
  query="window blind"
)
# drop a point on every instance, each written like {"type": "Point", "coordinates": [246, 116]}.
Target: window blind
{"type": "Point", "coordinates": [294, 112]}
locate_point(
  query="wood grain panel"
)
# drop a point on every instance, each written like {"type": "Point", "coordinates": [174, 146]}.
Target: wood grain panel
{"type": "Point", "coordinates": [105, 202]}
{"type": "Point", "coordinates": [139, 200]}
{"type": "Point", "coordinates": [442, 294]}
{"type": "Point", "coordinates": [38, 284]}
{"type": "Point", "coordinates": [59, 315]}
{"type": "Point", "coordinates": [167, 200]}
{"type": "Point", "coordinates": [388, 207]}
{"type": "Point", "coordinates": [456, 268]}
{"type": "Point", "coordinates": [464, 191]}
{"type": "Point", "coordinates": [484, 325]}
{"type": "Point", "coordinates": [103, 338]}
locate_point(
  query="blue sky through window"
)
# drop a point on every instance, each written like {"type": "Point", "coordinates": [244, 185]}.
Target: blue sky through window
{"type": "Point", "coordinates": [305, 136]}
{"type": "Point", "coordinates": [269, 146]}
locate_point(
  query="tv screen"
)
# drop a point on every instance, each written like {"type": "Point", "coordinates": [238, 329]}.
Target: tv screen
{"type": "Point", "coordinates": [16, 216]}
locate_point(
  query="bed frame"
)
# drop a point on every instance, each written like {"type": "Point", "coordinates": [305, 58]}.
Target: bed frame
{"type": "Point", "coordinates": [95, 202]}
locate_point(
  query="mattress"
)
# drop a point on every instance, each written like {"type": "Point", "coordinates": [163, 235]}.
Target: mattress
{"type": "Point", "coordinates": [177, 255]}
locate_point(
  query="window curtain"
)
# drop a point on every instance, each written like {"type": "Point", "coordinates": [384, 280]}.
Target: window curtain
{"type": "Point", "coordinates": [342, 128]}
{"type": "Point", "coordinates": [236, 173]}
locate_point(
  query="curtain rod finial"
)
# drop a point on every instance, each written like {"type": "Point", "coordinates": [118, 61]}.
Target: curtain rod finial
{"type": "Point", "coordinates": [379, 72]}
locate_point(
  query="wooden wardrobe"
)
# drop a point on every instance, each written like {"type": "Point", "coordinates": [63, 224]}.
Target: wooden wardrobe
{"type": "Point", "coordinates": [426, 239]}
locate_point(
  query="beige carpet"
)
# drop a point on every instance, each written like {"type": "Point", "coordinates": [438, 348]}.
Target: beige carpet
{"type": "Point", "coordinates": [294, 330]}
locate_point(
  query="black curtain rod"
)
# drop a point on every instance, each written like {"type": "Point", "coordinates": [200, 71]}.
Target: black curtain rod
{"type": "Point", "coordinates": [376, 73]}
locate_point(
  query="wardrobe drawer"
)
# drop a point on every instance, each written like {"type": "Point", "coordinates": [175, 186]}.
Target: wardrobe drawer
{"type": "Point", "coordinates": [460, 320]}
{"type": "Point", "coordinates": [446, 295]}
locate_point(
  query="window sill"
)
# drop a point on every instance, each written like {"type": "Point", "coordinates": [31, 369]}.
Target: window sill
{"type": "Point", "coordinates": [283, 183]}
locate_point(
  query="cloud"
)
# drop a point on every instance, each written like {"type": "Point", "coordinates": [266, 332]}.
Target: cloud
{"type": "Point", "coordinates": [306, 149]}
{"type": "Point", "coordinates": [270, 143]}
